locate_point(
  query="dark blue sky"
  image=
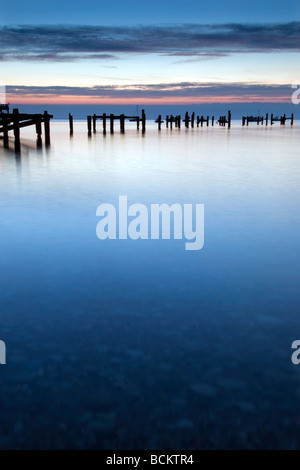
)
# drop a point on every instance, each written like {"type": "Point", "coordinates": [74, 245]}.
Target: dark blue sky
{"type": "Point", "coordinates": [133, 51]}
{"type": "Point", "coordinates": [107, 12]}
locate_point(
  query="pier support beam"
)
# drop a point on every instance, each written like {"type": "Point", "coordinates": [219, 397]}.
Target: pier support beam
{"type": "Point", "coordinates": [38, 127]}
{"type": "Point", "coordinates": [89, 125]}
{"type": "Point", "coordinates": [229, 119]}
{"type": "Point", "coordinates": [47, 128]}
{"type": "Point", "coordinates": [143, 121]}
{"type": "Point", "coordinates": [122, 124]}
{"type": "Point", "coordinates": [71, 124]}
{"type": "Point", "coordinates": [104, 123]}
{"type": "Point", "coordinates": [16, 125]}
{"type": "Point", "coordinates": [5, 132]}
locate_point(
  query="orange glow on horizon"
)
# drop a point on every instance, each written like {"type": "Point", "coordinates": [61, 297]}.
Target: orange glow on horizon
{"type": "Point", "coordinates": [86, 100]}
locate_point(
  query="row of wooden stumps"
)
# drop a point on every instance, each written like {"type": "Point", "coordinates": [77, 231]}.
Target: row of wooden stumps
{"type": "Point", "coordinates": [15, 121]}
{"type": "Point", "coordinates": [110, 119]}
{"type": "Point", "coordinates": [223, 120]}
{"type": "Point", "coordinates": [187, 121]}
{"type": "Point", "coordinates": [176, 120]}
{"type": "Point", "coordinates": [262, 120]}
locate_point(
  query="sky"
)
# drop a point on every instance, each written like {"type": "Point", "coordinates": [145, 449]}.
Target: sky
{"type": "Point", "coordinates": [135, 52]}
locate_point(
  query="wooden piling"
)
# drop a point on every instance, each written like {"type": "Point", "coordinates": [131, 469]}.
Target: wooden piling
{"type": "Point", "coordinates": [229, 119]}
{"type": "Point", "coordinates": [292, 119]}
{"type": "Point", "coordinates": [143, 121]}
{"type": "Point", "coordinates": [111, 123]}
{"type": "Point", "coordinates": [213, 120]}
{"type": "Point", "coordinates": [267, 119]}
{"type": "Point", "coordinates": [5, 132]}
{"type": "Point", "coordinates": [94, 123]}
{"type": "Point", "coordinates": [186, 119]}
{"type": "Point", "coordinates": [16, 126]}
{"type": "Point", "coordinates": [122, 123]}
{"type": "Point", "coordinates": [71, 124]}
{"type": "Point", "coordinates": [38, 128]}
{"type": "Point", "coordinates": [159, 122]}
{"type": "Point", "coordinates": [193, 119]}
{"type": "Point", "coordinates": [171, 122]}
{"type": "Point", "coordinates": [89, 125]}
{"type": "Point", "coordinates": [104, 123]}
{"type": "Point", "coordinates": [47, 129]}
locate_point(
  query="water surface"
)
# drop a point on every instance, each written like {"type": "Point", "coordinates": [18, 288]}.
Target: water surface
{"type": "Point", "coordinates": [123, 344]}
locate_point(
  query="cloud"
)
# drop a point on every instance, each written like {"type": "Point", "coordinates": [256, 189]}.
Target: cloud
{"type": "Point", "coordinates": [158, 91]}
{"type": "Point", "coordinates": [54, 57]}
{"type": "Point", "coordinates": [58, 43]}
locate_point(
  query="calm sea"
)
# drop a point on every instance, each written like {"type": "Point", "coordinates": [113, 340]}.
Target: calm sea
{"type": "Point", "coordinates": [123, 344]}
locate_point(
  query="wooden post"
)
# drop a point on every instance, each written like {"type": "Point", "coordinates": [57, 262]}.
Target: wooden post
{"type": "Point", "coordinates": [89, 125]}
{"type": "Point", "coordinates": [179, 121]}
{"type": "Point", "coordinates": [229, 119]}
{"type": "Point", "coordinates": [16, 125]}
{"type": "Point", "coordinates": [143, 121]}
{"type": "Point", "coordinates": [111, 123]}
{"type": "Point", "coordinates": [71, 123]}
{"type": "Point", "coordinates": [94, 123]}
{"type": "Point", "coordinates": [207, 121]}
{"type": "Point", "coordinates": [292, 119]}
{"type": "Point", "coordinates": [213, 120]}
{"type": "Point", "coordinates": [5, 132]}
{"type": "Point", "coordinates": [159, 122]}
{"type": "Point", "coordinates": [186, 119]}
{"type": "Point", "coordinates": [122, 123]}
{"type": "Point", "coordinates": [193, 119]}
{"type": "Point", "coordinates": [167, 122]}
{"type": "Point", "coordinates": [267, 119]}
{"type": "Point", "coordinates": [47, 129]}
{"type": "Point", "coordinates": [243, 120]}
{"type": "Point", "coordinates": [104, 123]}
{"type": "Point", "coordinates": [171, 121]}
{"type": "Point", "coordinates": [38, 127]}
{"type": "Point", "coordinates": [272, 122]}
{"type": "Point", "coordinates": [201, 121]}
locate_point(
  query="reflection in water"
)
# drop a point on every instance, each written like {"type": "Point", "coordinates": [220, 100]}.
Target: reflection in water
{"type": "Point", "coordinates": [140, 344]}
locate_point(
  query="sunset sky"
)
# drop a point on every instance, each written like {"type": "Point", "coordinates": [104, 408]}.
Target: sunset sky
{"type": "Point", "coordinates": [132, 52]}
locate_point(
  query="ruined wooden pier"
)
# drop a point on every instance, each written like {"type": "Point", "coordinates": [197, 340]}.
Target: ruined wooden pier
{"type": "Point", "coordinates": [261, 120]}
{"type": "Point", "coordinates": [15, 121]}
{"type": "Point", "coordinates": [191, 120]}
{"type": "Point", "coordinates": [111, 118]}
